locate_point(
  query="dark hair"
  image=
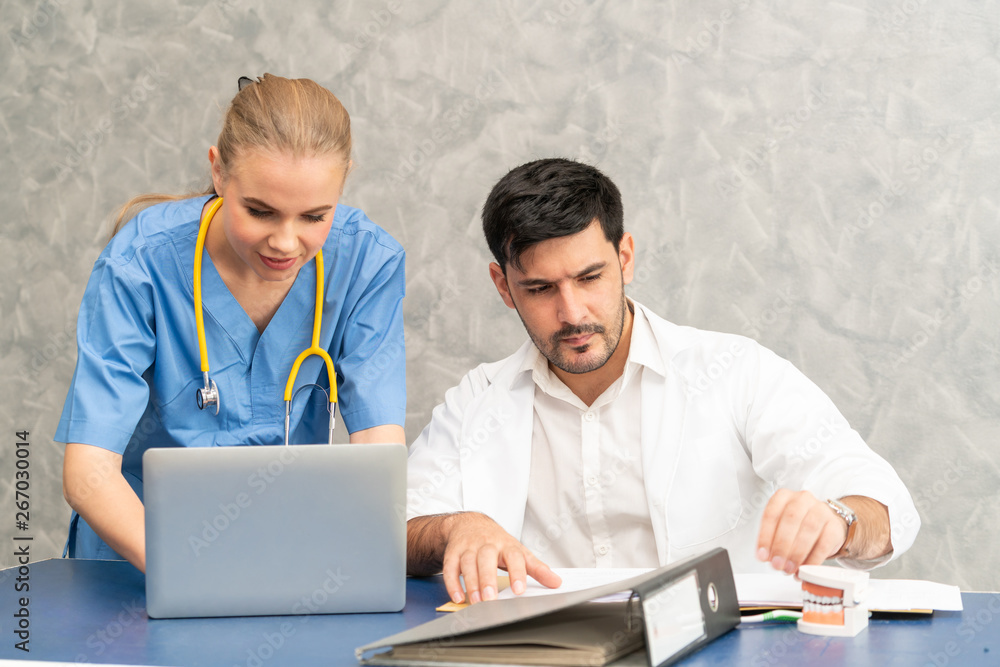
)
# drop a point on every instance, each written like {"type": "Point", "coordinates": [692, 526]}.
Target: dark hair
{"type": "Point", "coordinates": [548, 199]}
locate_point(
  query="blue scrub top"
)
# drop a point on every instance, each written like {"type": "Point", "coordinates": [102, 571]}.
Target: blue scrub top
{"type": "Point", "coordinates": [138, 366]}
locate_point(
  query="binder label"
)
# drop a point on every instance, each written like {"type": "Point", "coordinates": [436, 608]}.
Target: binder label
{"type": "Point", "coordinates": [673, 619]}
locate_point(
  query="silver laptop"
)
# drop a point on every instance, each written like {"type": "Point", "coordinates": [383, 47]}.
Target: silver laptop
{"type": "Point", "coordinates": [255, 531]}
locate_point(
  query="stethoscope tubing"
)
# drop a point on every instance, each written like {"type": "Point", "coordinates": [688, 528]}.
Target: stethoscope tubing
{"type": "Point", "coordinates": [208, 394]}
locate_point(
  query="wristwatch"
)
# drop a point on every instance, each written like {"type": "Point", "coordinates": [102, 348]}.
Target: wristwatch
{"type": "Point", "coordinates": [848, 515]}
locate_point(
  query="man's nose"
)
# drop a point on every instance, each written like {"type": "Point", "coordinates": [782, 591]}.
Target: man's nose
{"type": "Point", "coordinates": [571, 307]}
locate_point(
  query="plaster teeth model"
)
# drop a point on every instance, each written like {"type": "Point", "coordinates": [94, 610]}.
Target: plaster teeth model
{"type": "Point", "coordinates": [834, 601]}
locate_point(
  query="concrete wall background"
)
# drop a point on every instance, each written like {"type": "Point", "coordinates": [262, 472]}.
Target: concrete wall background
{"type": "Point", "coordinates": [820, 176]}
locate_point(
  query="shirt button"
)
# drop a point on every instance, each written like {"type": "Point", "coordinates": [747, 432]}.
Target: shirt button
{"type": "Point", "coordinates": [603, 549]}
{"type": "Point", "coordinates": [589, 416]}
{"type": "Point", "coordinates": [592, 480]}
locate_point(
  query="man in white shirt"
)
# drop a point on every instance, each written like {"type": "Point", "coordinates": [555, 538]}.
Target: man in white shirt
{"type": "Point", "coordinates": [614, 438]}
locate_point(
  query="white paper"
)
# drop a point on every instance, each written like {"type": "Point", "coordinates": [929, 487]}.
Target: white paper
{"type": "Point", "coordinates": [578, 579]}
{"type": "Point", "coordinates": [762, 590]}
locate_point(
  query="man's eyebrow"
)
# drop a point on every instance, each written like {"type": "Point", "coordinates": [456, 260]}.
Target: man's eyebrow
{"type": "Point", "coordinates": [257, 203]}
{"type": "Point", "coordinates": [538, 282]}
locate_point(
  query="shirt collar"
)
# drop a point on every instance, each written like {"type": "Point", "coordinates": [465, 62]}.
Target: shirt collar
{"type": "Point", "coordinates": [643, 352]}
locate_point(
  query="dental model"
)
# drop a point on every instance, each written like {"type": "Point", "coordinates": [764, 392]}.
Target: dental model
{"type": "Point", "coordinates": [833, 601]}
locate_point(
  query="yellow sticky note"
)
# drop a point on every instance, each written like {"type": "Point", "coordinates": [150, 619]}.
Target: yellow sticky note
{"type": "Point", "coordinates": [503, 581]}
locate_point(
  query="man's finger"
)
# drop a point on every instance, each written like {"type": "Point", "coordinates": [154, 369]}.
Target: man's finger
{"type": "Point", "coordinates": [486, 562]}
{"type": "Point", "coordinates": [785, 534]}
{"type": "Point", "coordinates": [513, 561]}
{"type": "Point", "coordinates": [451, 569]}
{"type": "Point", "coordinates": [811, 530]}
{"type": "Point", "coordinates": [541, 572]}
{"type": "Point", "coordinates": [828, 544]}
{"type": "Point", "coordinates": [769, 523]}
{"type": "Point", "coordinates": [470, 573]}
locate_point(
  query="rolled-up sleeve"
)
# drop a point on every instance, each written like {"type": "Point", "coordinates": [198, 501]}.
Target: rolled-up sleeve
{"type": "Point", "coordinates": [799, 440]}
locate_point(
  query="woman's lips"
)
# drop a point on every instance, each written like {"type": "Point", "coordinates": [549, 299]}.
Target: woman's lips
{"type": "Point", "coordinates": [277, 264]}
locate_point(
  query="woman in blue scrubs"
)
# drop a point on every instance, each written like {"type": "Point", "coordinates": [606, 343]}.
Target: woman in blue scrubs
{"type": "Point", "coordinates": [279, 165]}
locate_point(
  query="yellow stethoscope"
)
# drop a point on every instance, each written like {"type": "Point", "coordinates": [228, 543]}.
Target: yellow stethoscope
{"type": "Point", "coordinates": [209, 394]}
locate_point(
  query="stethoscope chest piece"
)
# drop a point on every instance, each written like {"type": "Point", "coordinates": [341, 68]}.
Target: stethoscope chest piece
{"type": "Point", "coordinates": [208, 395]}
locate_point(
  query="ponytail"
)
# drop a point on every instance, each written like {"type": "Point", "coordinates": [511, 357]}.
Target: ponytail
{"type": "Point", "coordinates": [273, 114]}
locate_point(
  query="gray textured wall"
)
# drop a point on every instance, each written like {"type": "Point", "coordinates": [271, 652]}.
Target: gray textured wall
{"type": "Point", "coordinates": [821, 176]}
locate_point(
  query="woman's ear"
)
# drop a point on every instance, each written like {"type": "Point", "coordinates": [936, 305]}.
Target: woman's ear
{"type": "Point", "coordinates": [215, 160]}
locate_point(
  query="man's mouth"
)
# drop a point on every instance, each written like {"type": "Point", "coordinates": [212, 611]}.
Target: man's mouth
{"type": "Point", "coordinates": [578, 341]}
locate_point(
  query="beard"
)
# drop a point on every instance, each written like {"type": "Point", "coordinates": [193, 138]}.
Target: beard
{"type": "Point", "coordinates": [575, 359]}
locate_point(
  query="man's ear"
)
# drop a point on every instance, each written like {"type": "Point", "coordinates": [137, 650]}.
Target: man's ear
{"type": "Point", "coordinates": [626, 256]}
{"type": "Point", "coordinates": [500, 280]}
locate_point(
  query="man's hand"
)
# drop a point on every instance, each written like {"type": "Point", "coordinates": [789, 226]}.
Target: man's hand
{"type": "Point", "coordinates": [472, 545]}
{"type": "Point", "coordinates": [799, 529]}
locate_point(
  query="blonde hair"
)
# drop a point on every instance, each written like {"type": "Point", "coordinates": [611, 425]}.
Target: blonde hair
{"type": "Point", "coordinates": [297, 116]}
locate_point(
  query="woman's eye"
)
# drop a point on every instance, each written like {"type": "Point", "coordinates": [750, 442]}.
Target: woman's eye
{"type": "Point", "coordinates": [257, 213]}
{"type": "Point", "coordinates": [314, 218]}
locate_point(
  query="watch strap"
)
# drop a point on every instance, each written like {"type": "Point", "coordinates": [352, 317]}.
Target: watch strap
{"type": "Point", "coordinates": [848, 515]}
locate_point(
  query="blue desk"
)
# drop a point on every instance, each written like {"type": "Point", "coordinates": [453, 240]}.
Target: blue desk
{"type": "Point", "coordinates": [94, 611]}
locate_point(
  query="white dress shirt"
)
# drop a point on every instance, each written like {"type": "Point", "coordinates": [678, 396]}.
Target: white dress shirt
{"type": "Point", "coordinates": [586, 499]}
{"type": "Point", "coordinates": [723, 423]}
